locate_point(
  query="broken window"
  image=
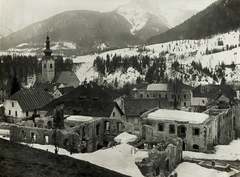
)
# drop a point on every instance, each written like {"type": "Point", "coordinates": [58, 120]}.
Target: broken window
{"type": "Point", "coordinates": [33, 136]}
{"type": "Point", "coordinates": [160, 127]}
{"type": "Point", "coordinates": [107, 126]}
{"type": "Point", "coordinates": [46, 139]}
{"type": "Point", "coordinates": [97, 129]}
{"type": "Point", "coordinates": [171, 129]}
{"type": "Point", "coordinates": [196, 131]}
{"type": "Point", "coordinates": [119, 126]}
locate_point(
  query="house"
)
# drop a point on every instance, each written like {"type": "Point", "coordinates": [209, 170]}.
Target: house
{"type": "Point", "coordinates": [61, 91]}
{"type": "Point", "coordinates": [134, 108]}
{"type": "Point", "coordinates": [203, 95]}
{"type": "Point", "coordinates": [86, 108]}
{"type": "Point", "coordinates": [25, 103]}
{"type": "Point", "coordinates": [48, 87]}
{"type": "Point", "coordinates": [162, 90]}
{"type": "Point", "coordinates": [199, 131]}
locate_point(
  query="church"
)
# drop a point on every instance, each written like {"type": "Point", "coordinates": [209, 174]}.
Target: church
{"type": "Point", "coordinates": [49, 78]}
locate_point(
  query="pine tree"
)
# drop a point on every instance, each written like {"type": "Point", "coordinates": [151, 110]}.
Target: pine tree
{"type": "Point", "coordinates": [15, 85]}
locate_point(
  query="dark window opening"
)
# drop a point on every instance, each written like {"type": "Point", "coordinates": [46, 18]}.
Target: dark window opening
{"type": "Point", "coordinates": [172, 96]}
{"type": "Point", "coordinates": [185, 104]}
{"type": "Point", "coordinates": [33, 136]}
{"type": "Point", "coordinates": [83, 131]}
{"type": "Point", "coordinates": [184, 96]}
{"type": "Point", "coordinates": [12, 104]}
{"type": "Point", "coordinates": [141, 95]}
{"type": "Point", "coordinates": [159, 96]}
{"type": "Point", "coordinates": [44, 65]}
{"type": "Point", "coordinates": [160, 127]}
{"type": "Point", "coordinates": [153, 95]}
{"type": "Point", "coordinates": [97, 129]}
{"type": "Point", "coordinates": [26, 113]}
{"type": "Point", "coordinates": [9, 112]}
{"type": "Point", "coordinates": [195, 147]}
{"type": "Point", "coordinates": [113, 114]}
{"type": "Point", "coordinates": [182, 129]}
{"type": "Point", "coordinates": [147, 95]}
{"type": "Point", "coordinates": [16, 113]}
{"type": "Point", "coordinates": [196, 131]}
{"type": "Point", "coordinates": [51, 65]}
{"type": "Point", "coordinates": [171, 129]}
{"type": "Point", "coordinates": [166, 96]}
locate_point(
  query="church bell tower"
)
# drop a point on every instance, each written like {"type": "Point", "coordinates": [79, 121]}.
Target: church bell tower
{"type": "Point", "coordinates": [48, 64]}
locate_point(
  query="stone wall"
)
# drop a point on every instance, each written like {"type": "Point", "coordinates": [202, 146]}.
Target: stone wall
{"type": "Point", "coordinates": [162, 160]}
{"type": "Point", "coordinates": [86, 137]}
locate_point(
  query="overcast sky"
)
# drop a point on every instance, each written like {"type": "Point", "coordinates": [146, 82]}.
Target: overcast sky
{"type": "Point", "coordinates": [19, 12]}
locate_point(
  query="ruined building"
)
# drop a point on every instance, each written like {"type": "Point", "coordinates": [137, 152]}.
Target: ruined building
{"type": "Point", "coordinates": [199, 131]}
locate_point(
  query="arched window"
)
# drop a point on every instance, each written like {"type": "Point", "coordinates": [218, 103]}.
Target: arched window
{"type": "Point", "coordinates": [195, 147]}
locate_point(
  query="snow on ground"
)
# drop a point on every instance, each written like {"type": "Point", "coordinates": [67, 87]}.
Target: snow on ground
{"type": "Point", "coordinates": [120, 158]}
{"type": "Point", "coordinates": [86, 71]}
{"type": "Point", "coordinates": [124, 138]}
{"type": "Point", "coordinates": [79, 118]}
{"type": "Point", "coordinates": [229, 152]}
{"type": "Point", "coordinates": [164, 114]}
{"type": "Point", "coordinates": [4, 132]}
{"type": "Point", "coordinates": [187, 169]}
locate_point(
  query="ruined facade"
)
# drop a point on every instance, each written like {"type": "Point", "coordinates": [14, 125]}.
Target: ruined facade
{"type": "Point", "coordinates": [87, 136]}
{"type": "Point", "coordinates": [213, 127]}
{"type": "Point", "coordinates": [164, 156]}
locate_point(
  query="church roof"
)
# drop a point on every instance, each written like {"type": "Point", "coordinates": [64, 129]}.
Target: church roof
{"type": "Point", "coordinates": [64, 77]}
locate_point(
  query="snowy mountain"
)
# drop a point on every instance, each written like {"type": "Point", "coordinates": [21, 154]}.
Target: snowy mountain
{"type": "Point", "coordinates": [166, 15]}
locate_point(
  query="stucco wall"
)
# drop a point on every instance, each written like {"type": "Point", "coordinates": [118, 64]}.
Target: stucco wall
{"type": "Point", "coordinates": [20, 114]}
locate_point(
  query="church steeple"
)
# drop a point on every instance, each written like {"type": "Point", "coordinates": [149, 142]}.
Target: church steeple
{"type": "Point", "coordinates": [48, 51]}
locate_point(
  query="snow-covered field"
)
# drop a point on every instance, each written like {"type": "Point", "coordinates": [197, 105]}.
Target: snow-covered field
{"type": "Point", "coordinates": [121, 158]}
{"type": "Point", "coordinates": [187, 169]}
{"type": "Point", "coordinates": [229, 152]}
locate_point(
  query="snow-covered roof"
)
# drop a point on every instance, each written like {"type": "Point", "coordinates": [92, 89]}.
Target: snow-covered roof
{"type": "Point", "coordinates": [191, 117]}
{"type": "Point", "coordinates": [155, 87]}
{"type": "Point", "coordinates": [125, 138]}
{"type": "Point", "coordinates": [79, 118]}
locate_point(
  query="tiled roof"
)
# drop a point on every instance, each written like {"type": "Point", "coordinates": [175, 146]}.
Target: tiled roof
{"type": "Point", "coordinates": [83, 93]}
{"type": "Point", "coordinates": [64, 77]}
{"type": "Point", "coordinates": [208, 91]}
{"type": "Point", "coordinates": [135, 107]}
{"type": "Point", "coordinates": [31, 99]}
{"type": "Point", "coordinates": [87, 108]}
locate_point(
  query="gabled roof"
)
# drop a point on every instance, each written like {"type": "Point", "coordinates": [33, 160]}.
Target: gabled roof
{"type": "Point", "coordinates": [82, 93]}
{"type": "Point", "coordinates": [64, 90]}
{"type": "Point", "coordinates": [64, 77]}
{"type": "Point", "coordinates": [135, 107]}
{"type": "Point", "coordinates": [86, 108]}
{"type": "Point", "coordinates": [208, 91]}
{"type": "Point", "coordinates": [31, 99]}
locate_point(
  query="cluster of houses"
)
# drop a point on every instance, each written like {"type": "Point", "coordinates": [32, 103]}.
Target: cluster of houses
{"type": "Point", "coordinates": [93, 115]}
